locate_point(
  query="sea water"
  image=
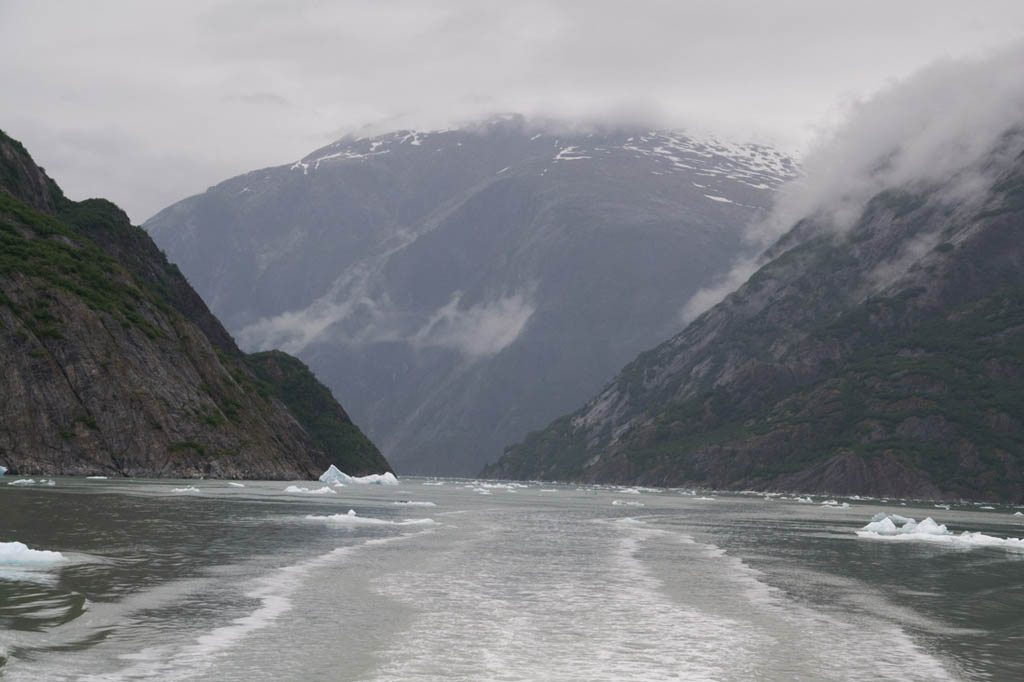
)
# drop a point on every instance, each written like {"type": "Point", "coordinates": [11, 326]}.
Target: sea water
{"type": "Point", "coordinates": [474, 580]}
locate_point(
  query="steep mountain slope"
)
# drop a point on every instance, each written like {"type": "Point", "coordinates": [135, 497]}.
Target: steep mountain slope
{"type": "Point", "coordinates": [111, 364]}
{"type": "Point", "coordinates": [462, 287]}
{"type": "Point", "coordinates": [882, 359]}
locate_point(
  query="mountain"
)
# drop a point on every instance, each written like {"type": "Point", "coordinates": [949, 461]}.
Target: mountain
{"type": "Point", "coordinates": [111, 364]}
{"type": "Point", "coordinates": [462, 287]}
{"type": "Point", "coordinates": [884, 356]}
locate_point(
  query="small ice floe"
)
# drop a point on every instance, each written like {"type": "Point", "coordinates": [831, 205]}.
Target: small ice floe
{"type": "Point", "coordinates": [432, 483]}
{"type": "Point", "coordinates": [549, 490]}
{"type": "Point", "coordinates": [986, 507]}
{"type": "Point", "coordinates": [629, 491]}
{"type": "Point", "coordinates": [628, 503]}
{"type": "Point", "coordinates": [895, 527]}
{"type": "Point", "coordinates": [235, 484]}
{"type": "Point", "coordinates": [706, 499]}
{"type": "Point", "coordinates": [18, 554]}
{"type": "Point", "coordinates": [336, 475]}
{"type": "Point", "coordinates": [481, 491]}
{"type": "Point", "coordinates": [95, 478]}
{"type": "Point", "coordinates": [414, 503]}
{"type": "Point", "coordinates": [3, 470]}
{"type": "Point", "coordinates": [325, 490]}
{"type": "Point", "coordinates": [803, 500]}
{"type": "Point", "coordinates": [32, 481]}
{"type": "Point", "coordinates": [941, 506]}
{"type": "Point", "coordinates": [829, 503]}
{"type": "Point", "coordinates": [352, 519]}
{"type": "Point", "coordinates": [1018, 514]}
{"type": "Point", "coordinates": [187, 489]}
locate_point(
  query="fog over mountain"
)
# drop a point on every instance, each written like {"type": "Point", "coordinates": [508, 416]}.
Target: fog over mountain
{"type": "Point", "coordinates": [458, 288]}
{"type": "Point", "coordinates": [876, 348]}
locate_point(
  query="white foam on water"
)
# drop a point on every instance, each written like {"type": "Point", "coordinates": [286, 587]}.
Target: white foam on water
{"type": "Point", "coordinates": [628, 503]}
{"type": "Point", "coordinates": [352, 519]}
{"type": "Point", "coordinates": [274, 593]}
{"type": "Point", "coordinates": [19, 554]}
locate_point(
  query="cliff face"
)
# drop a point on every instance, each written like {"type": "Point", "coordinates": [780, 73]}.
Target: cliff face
{"type": "Point", "coordinates": [468, 285]}
{"type": "Point", "coordinates": [111, 364]}
{"type": "Point", "coordinates": [886, 359]}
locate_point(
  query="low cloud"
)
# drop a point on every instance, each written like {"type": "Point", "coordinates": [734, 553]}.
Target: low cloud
{"type": "Point", "coordinates": [481, 330]}
{"type": "Point", "coordinates": [946, 125]}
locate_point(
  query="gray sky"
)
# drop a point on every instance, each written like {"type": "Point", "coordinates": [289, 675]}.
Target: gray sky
{"type": "Point", "coordinates": [147, 102]}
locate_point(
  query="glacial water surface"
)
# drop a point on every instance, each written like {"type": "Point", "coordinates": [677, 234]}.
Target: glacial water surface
{"type": "Point", "coordinates": [461, 580]}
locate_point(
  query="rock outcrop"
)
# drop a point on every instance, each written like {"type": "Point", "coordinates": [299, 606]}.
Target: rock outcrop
{"type": "Point", "coordinates": [111, 364]}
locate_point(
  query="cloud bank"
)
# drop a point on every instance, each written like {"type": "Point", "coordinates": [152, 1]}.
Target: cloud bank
{"type": "Point", "coordinates": [146, 103]}
{"type": "Point", "coordinates": [945, 125]}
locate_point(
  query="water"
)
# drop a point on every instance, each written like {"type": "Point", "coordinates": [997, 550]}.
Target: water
{"type": "Point", "coordinates": [524, 583]}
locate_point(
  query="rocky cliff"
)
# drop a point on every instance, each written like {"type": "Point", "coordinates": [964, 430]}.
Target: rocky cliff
{"type": "Point", "coordinates": [466, 286]}
{"type": "Point", "coordinates": [111, 364]}
{"type": "Point", "coordinates": [882, 358]}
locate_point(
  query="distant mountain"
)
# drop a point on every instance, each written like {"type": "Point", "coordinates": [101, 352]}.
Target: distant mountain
{"type": "Point", "coordinates": [883, 358]}
{"type": "Point", "coordinates": [111, 364]}
{"type": "Point", "coordinates": [459, 288]}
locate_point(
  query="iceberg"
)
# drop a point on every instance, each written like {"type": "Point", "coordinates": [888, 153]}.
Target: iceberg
{"type": "Point", "coordinates": [18, 554]}
{"type": "Point", "coordinates": [413, 503]}
{"type": "Point", "coordinates": [187, 489]}
{"type": "Point", "coordinates": [32, 481]}
{"type": "Point", "coordinates": [234, 484]}
{"type": "Point", "coordinates": [3, 470]}
{"type": "Point", "coordinates": [628, 503]}
{"type": "Point", "coordinates": [352, 519]}
{"type": "Point", "coordinates": [336, 475]}
{"type": "Point", "coordinates": [319, 491]}
{"type": "Point", "coordinates": [930, 530]}
{"type": "Point", "coordinates": [96, 478]}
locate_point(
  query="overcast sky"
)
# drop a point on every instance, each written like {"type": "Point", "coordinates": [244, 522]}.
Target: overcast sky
{"type": "Point", "coordinates": [148, 102]}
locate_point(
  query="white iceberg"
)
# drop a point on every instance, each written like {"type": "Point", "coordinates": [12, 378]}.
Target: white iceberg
{"type": "Point", "coordinates": [1018, 514]}
{"type": "Point", "coordinates": [325, 490]}
{"type": "Point", "coordinates": [96, 478]}
{"type": "Point", "coordinates": [336, 475]}
{"type": "Point", "coordinates": [235, 484]}
{"type": "Point", "coordinates": [32, 481]}
{"type": "Point", "coordinates": [931, 531]}
{"type": "Point", "coordinates": [352, 519]}
{"type": "Point", "coordinates": [188, 489]}
{"type": "Point", "coordinates": [3, 470]}
{"type": "Point", "coordinates": [628, 503]}
{"type": "Point", "coordinates": [804, 500]}
{"type": "Point", "coordinates": [18, 554]}
{"type": "Point", "coordinates": [414, 503]}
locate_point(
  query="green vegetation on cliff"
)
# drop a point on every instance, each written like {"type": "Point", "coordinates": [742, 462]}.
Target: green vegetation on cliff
{"type": "Point", "coordinates": [111, 364]}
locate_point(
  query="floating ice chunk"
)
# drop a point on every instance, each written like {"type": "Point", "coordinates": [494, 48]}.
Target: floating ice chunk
{"type": "Point", "coordinates": [96, 478]}
{"type": "Point", "coordinates": [18, 554]}
{"type": "Point", "coordinates": [941, 506]}
{"type": "Point", "coordinates": [629, 491]}
{"type": "Point", "coordinates": [189, 489]}
{"type": "Point", "coordinates": [896, 518]}
{"type": "Point", "coordinates": [1018, 514]}
{"type": "Point", "coordinates": [708, 499]}
{"type": "Point", "coordinates": [628, 503]}
{"type": "Point", "coordinates": [829, 503]}
{"type": "Point", "coordinates": [804, 500]}
{"type": "Point", "coordinates": [986, 507]}
{"type": "Point", "coordinates": [352, 519]}
{"type": "Point", "coordinates": [433, 483]}
{"type": "Point", "coordinates": [235, 484]}
{"type": "Point", "coordinates": [3, 470]}
{"type": "Point", "coordinates": [549, 490]}
{"type": "Point", "coordinates": [414, 503]}
{"type": "Point", "coordinates": [931, 531]}
{"type": "Point", "coordinates": [32, 481]}
{"type": "Point", "coordinates": [336, 475]}
{"type": "Point", "coordinates": [325, 490]}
